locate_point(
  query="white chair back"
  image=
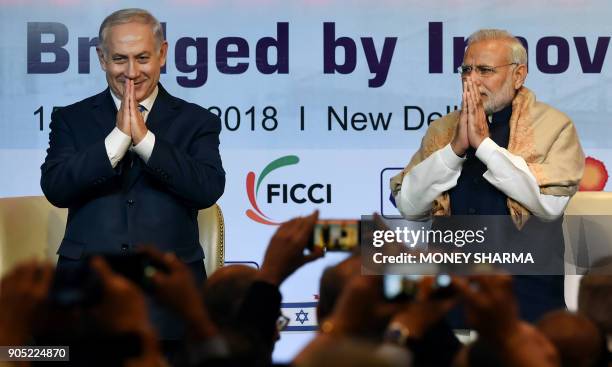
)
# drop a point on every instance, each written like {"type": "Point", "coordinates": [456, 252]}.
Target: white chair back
{"type": "Point", "coordinates": [587, 230]}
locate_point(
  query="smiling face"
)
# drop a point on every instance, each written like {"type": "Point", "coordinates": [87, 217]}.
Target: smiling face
{"type": "Point", "coordinates": [130, 53]}
{"type": "Point", "coordinates": [498, 89]}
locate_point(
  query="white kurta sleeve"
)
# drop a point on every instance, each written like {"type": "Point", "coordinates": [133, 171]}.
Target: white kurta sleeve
{"type": "Point", "coordinates": [511, 175]}
{"type": "Point", "coordinates": [426, 181]}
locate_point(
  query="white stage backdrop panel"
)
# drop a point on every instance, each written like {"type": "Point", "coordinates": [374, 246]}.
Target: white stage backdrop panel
{"type": "Point", "coordinates": [334, 95]}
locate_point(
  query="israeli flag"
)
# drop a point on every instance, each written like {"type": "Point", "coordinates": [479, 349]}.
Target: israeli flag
{"type": "Point", "coordinates": [302, 316]}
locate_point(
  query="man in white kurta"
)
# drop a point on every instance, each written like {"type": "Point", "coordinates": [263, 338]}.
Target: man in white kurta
{"type": "Point", "coordinates": [503, 153]}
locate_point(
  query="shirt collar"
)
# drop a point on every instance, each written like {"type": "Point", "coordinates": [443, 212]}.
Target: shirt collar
{"type": "Point", "coordinates": [147, 103]}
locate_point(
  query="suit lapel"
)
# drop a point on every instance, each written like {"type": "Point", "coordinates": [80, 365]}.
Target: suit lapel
{"type": "Point", "coordinates": [105, 112]}
{"type": "Point", "coordinates": [163, 112]}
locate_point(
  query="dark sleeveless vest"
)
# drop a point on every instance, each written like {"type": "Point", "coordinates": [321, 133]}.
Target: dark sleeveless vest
{"type": "Point", "coordinates": [473, 195]}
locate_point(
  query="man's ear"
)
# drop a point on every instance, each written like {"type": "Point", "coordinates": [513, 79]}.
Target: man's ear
{"type": "Point", "coordinates": [519, 76]}
{"type": "Point", "coordinates": [101, 58]}
{"type": "Point", "coordinates": [163, 52]}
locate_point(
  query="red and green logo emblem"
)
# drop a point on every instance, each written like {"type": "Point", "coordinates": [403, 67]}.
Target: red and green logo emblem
{"type": "Point", "coordinates": [253, 184]}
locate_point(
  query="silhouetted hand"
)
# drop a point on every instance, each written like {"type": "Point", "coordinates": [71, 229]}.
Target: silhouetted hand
{"type": "Point", "coordinates": [492, 310]}
{"type": "Point", "coordinates": [285, 253]}
{"type": "Point", "coordinates": [528, 347]}
{"type": "Point", "coordinates": [361, 309]}
{"type": "Point", "coordinates": [360, 312]}
{"type": "Point", "coordinates": [123, 309]}
{"type": "Point", "coordinates": [490, 305]}
{"type": "Point", "coordinates": [123, 306]}
{"type": "Point", "coordinates": [426, 310]}
{"type": "Point", "coordinates": [176, 287]}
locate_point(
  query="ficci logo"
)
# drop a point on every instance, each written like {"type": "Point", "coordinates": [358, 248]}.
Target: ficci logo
{"type": "Point", "coordinates": [298, 193]}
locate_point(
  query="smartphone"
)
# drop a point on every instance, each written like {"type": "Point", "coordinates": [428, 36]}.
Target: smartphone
{"type": "Point", "coordinates": [404, 287]}
{"type": "Point", "coordinates": [336, 234]}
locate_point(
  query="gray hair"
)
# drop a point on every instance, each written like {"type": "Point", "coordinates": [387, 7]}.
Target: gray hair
{"type": "Point", "coordinates": [518, 54]}
{"type": "Point", "coordinates": [124, 16]}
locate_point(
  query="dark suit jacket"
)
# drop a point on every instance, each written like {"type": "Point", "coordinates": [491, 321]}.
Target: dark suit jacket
{"type": "Point", "coordinates": [113, 210]}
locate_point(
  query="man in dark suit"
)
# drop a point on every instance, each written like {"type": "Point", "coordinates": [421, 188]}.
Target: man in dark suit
{"type": "Point", "coordinates": [133, 164]}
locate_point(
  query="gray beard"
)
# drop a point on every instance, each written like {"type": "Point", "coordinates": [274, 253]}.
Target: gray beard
{"type": "Point", "coordinates": [501, 100]}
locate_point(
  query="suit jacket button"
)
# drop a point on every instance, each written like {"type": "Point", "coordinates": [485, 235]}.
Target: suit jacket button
{"type": "Point", "coordinates": [124, 247]}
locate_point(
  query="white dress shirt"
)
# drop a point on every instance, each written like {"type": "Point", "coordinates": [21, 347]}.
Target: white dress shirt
{"type": "Point", "coordinates": [509, 173]}
{"type": "Point", "coordinates": [117, 142]}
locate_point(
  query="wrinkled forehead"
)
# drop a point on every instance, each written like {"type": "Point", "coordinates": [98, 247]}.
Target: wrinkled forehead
{"type": "Point", "coordinates": [133, 36]}
{"type": "Point", "coordinates": [488, 52]}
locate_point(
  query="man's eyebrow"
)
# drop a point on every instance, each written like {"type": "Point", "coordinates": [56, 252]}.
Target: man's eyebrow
{"type": "Point", "coordinates": [117, 55]}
